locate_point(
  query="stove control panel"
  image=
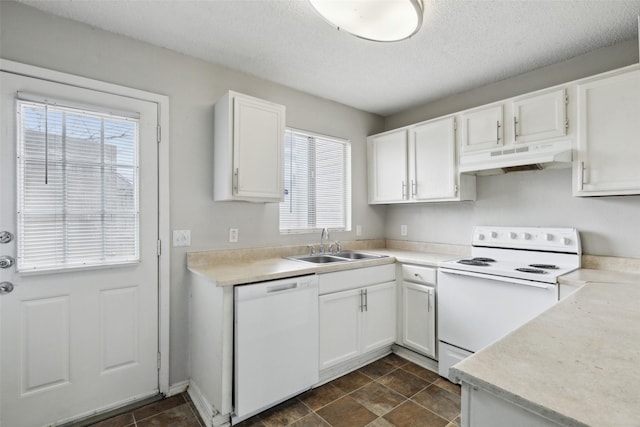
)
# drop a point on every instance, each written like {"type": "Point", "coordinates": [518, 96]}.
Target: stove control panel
{"type": "Point", "coordinates": [532, 238]}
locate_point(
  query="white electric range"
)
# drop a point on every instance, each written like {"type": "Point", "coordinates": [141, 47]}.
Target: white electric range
{"type": "Point", "coordinates": [510, 278]}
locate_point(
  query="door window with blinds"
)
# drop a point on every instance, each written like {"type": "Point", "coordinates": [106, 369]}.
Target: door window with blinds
{"type": "Point", "coordinates": [317, 182]}
{"type": "Point", "coordinates": [77, 186]}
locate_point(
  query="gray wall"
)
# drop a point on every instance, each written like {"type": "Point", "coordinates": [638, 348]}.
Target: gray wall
{"type": "Point", "coordinates": [608, 225]}
{"type": "Point", "coordinates": [33, 37]}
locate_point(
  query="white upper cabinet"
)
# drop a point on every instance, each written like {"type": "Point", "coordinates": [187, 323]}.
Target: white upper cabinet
{"type": "Point", "coordinates": [417, 164]}
{"type": "Point", "coordinates": [482, 128]}
{"type": "Point", "coordinates": [387, 154]}
{"type": "Point", "coordinates": [248, 149]}
{"type": "Point", "coordinates": [432, 148]}
{"type": "Point", "coordinates": [608, 142]}
{"type": "Point", "coordinates": [533, 117]}
{"type": "Point", "coordinates": [539, 117]}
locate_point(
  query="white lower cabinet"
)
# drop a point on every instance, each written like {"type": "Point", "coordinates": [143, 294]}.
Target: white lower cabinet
{"type": "Point", "coordinates": [418, 310]}
{"type": "Point", "coordinates": [340, 324]}
{"type": "Point", "coordinates": [481, 408]}
{"type": "Point", "coordinates": [379, 316]}
{"type": "Point", "coordinates": [419, 318]}
{"type": "Point", "coordinates": [356, 321]}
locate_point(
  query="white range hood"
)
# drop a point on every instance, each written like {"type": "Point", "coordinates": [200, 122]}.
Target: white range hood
{"type": "Point", "coordinates": [512, 158]}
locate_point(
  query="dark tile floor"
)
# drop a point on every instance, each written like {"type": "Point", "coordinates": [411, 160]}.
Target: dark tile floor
{"type": "Point", "coordinates": [388, 392]}
{"type": "Point", "coordinates": [174, 411]}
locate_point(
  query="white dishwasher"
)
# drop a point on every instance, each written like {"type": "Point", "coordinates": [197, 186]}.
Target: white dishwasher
{"type": "Point", "coordinates": [275, 343]}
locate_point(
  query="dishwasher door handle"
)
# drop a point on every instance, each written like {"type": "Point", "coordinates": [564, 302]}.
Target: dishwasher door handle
{"type": "Point", "coordinates": [283, 287]}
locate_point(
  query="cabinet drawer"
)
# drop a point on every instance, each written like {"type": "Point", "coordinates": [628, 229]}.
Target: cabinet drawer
{"type": "Point", "coordinates": [356, 278]}
{"type": "Point", "coordinates": [415, 273]}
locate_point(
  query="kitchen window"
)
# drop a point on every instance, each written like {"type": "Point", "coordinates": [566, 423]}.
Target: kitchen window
{"type": "Point", "coordinates": [77, 187]}
{"type": "Point", "coordinates": [317, 183]}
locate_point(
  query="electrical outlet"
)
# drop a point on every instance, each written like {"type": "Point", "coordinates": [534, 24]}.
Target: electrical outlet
{"type": "Point", "coordinates": [233, 235]}
{"type": "Point", "coordinates": [358, 230]}
{"type": "Point", "coordinates": [403, 230]}
{"type": "Point", "coordinates": [181, 238]}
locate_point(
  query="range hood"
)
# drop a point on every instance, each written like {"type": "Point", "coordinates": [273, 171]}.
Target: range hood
{"type": "Point", "coordinates": [514, 158]}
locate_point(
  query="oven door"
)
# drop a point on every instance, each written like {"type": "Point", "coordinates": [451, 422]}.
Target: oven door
{"type": "Point", "coordinates": [477, 309]}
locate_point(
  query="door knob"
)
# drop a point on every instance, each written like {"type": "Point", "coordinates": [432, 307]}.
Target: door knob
{"type": "Point", "coordinates": [5, 237]}
{"type": "Point", "coordinates": [6, 287]}
{"type": "Point", "coordinates": [6, 261]}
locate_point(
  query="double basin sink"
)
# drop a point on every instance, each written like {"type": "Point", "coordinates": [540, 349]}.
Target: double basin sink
{"type": "Point", "coordinates": [344, 256]}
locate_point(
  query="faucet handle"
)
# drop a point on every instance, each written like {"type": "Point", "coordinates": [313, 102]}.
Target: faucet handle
{"type": "Point", "coordinates": [338, 246]}
{"type": "Point", "coordinates": [312, 249]}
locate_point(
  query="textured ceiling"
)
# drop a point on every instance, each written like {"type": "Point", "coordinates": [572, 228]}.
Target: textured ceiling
{"type": "Point", "coordinates": [462, 45]}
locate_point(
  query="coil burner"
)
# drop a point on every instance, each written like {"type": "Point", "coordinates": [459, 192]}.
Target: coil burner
{"type": "Point", "coordinates": [531, 270]}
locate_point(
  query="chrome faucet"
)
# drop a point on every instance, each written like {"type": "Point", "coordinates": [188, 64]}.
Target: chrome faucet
{"type": "Point", "coordinates": [324, 236]}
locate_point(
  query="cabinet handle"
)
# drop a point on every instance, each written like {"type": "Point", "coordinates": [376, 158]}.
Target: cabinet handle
{"type": "Point", "coordinates": [515, 127]}
{"type": "Point", "coordinates": [235, 181]}
{"type": "Point", "coordinates": [414, 188]}
{"type": "Point", "coordinates": [361, 300]}
{"type": "Point", "coordinates": [429, 301]}
{"type": "Point", "coordinates": [366, 301]}
{"type": "Point", "coordinates": [498, 132]}
{"type": "Point", "coordinates": [582, 180]}
{"type": "Point", "coordinates": [404, 186]}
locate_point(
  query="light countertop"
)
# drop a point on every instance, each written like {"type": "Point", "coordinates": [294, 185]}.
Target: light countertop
{"type": "Point", "coordinates": [248, 271]}
{"type": "Point", "coordinates": [578, 363]}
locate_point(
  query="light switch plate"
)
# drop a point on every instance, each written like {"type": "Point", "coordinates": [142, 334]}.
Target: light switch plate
{"type": "Point", "coordinates": [358, 230]}
{"type": "Point", "coordinates": [403, 230]}
{"type": "Point", "coordinates": [181, 238]}
{"type": "Point", "coordinates": [233, 235]}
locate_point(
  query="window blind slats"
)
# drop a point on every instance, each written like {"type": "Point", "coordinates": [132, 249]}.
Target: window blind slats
{"type": "Point", "coordinates": [317, 183]}
{"type": "Point", "coordinates": [77, 187]}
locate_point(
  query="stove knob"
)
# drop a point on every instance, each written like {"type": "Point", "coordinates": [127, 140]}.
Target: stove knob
{"type": "Point", "coordinates": [526, 236]}
{"type": "Point", "coordinates": [480, 236]}
{"type": "Point", "coordinates": [566, 241]}
{"type": "Point", "coordinates": [512, 235]}
{"type": "Point", "coordinates": [494, 234]}
{"type": "Point", "coordinates": [548, 237]}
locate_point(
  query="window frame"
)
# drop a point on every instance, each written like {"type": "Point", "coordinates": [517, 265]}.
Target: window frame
{"type": "Point", "coordinates": [347, 184]}
{"type": "Point", "coordinates": [96, 112]}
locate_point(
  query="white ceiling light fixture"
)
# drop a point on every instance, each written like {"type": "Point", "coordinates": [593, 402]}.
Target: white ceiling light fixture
{"type": "Point", "coordinates": [377, 20]}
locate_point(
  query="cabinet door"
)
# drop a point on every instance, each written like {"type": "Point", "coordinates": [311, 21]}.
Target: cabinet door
{"type": "Point", "coordinates": [608, 136]}
{"type": "Point", "coordinates": [482, 128]}
{"type": "Point", "coordinates": [258, 149]}
{"type": "Point", "coordinates": [419, 321]}
{"type": "Point", "coordinates": [379, 324]}
{"type": "Point", "coordinates": [540, 117]}
{"type": "Point", "coordinates": [432, 160]}
{"type": "Point", "coordinates": [388, 167]}
{"type": "Point", "coordinates": [340, 318]}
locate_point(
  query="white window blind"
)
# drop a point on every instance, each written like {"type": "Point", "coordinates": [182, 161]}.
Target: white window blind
{"type": "Point", "coordinates": [317, 183]}
{"type": "Point", "coordinates": [77, 187]}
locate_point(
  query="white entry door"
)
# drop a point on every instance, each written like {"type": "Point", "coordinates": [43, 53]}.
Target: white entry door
{"type": "Point", "coordinates": [79, 195]}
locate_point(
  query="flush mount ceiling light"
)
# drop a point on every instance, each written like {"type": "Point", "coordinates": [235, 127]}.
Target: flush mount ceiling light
{"type": "Point", "coordinates": [377, 20]}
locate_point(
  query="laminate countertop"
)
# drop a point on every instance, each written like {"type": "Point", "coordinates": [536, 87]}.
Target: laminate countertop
{"type": "Point", "coordinates": [243, 271]}
{"type": "Point", "coordinates": [578, 363]}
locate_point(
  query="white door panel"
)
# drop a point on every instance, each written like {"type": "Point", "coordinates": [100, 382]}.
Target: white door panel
{"type": "Point", "coordinates": [379, 326]}
{"type": "Point", "coordinates": [78, 340]}
{"type": "Point", "coordinates": [340, 323]}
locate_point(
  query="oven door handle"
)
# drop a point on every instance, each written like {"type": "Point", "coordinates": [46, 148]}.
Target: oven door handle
{"type": "Point", "coordinates": [498, 278]}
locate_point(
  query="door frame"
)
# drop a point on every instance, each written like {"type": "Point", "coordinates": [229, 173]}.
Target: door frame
{"type": "Point", "coordinates": [164, 278]}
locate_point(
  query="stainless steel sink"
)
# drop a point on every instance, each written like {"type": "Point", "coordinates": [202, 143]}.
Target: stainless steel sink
{"type": "Point", "coordinates": [318, 259]}
{"type": "Point", "coordinates": [345, 256]}
{"type": "Point", "coordinates": [358, 255]}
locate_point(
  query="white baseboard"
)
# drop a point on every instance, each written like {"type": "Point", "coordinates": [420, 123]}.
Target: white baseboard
{"type": "Point", "coordinates": [210, 416]}
{"type": "Point", "coordinates": [178, 388]}
{"type": "Point", "coordinates": [334, 372]}
{"type": "Point", "coordinates": [416, 358]}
